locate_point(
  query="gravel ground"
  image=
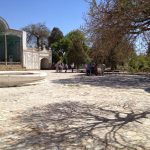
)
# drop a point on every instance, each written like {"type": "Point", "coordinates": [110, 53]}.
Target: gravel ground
{"type": "Point", "coordinates": [71, 111]}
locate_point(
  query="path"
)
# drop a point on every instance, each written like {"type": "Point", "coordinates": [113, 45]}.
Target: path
{"type": "Point", "coordinates": [72, 112]}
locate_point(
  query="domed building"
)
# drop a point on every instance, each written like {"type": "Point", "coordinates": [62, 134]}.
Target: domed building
{"type": "Point", "coordinates": [14, 53]}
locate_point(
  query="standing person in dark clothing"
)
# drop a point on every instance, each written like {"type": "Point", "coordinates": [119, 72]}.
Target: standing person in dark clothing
{"type": "Point", "coordinates": [95, 69]}
{"type": "Point", "coordinates": [89, 69]}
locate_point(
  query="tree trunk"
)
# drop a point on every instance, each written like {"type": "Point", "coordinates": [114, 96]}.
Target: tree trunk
{"type": "Point", "coordinates": [38, 42]}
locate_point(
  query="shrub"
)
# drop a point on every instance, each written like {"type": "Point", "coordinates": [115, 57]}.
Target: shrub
{"type": "Point", "coordinates": [139, 63]}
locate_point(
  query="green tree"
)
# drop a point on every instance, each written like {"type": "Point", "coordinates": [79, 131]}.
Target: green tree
{"type": "Point", "coordinates": [55, 36]}
{"type": "Point", "coordinates": [54, 42]}
{"type": "Point", "coordinates": [77, 49]}
{"type": "Point", "coordinates": [139, 63]}
{"type": "Point", "coordinates": [60, 49]}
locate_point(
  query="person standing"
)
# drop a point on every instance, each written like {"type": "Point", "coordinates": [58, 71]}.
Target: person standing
{"type": "Point", "coordinates": [72, 67]}
{"type": "Point", "coordinates": [66, 67]}
{"type": "Point", "coordinates": [57, 66]}
{"type": "Point", "coordinates": [89, 69]}
{"type": "Point", "coordinates": [103, 68]}
{"type": "Point", "coordinates": [95, 69]}
{"type": "Point", "coordinates": [60, 67]}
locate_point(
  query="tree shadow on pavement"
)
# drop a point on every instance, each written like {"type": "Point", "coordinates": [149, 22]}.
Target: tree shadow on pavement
{"type": "Point", "coordinates": [76, 126]}
{"type": "Point", "coordinates": [147, 90]}
{"type": "Point", "coordinates": [113, 81]}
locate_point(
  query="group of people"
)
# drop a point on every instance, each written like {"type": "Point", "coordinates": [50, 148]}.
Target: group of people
{"type": "Point", "coordinates": [91, 68]}
{"type": "Point", "coordinates": [60, 66]}
{"type": "Point", "coordinates": [94, 69]}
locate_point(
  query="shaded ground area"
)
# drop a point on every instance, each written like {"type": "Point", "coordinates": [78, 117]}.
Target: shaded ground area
{"type": "Point", "coordinates": [147, 90]}
{"type": "Point", "coordinates": [78, 126]}
{"type": "Point", "coordinates": [70, 111]}
{"type": "Point", "coordinates": [113, 81]}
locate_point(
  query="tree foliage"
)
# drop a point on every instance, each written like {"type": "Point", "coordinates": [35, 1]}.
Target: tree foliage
{"type": "Point", "coordinates": [37, 34]}
{"type": "Point", "coordinates": [59, 49]}
{"type": "Point", "coordinates": [71, 48]}
{"type": "Point", "coordinates": [55, 36]}
{"type": "Point", "coordinates": [57, 43]}
{"type": "Point", "coordinates": [77, 50]}
{"type": "Point", "coordinates": [139, 63]}
{"type": "Point", "coordinates": [112, 25]}
{"type": "Point", "coordinates": [128, 16]}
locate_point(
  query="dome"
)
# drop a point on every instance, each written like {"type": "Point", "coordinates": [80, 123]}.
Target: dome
{"type": "Point", "coordinates": [3, 25]}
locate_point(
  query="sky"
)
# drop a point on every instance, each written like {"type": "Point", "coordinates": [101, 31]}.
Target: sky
{"type": "Point", "coordinates": [64, 14]}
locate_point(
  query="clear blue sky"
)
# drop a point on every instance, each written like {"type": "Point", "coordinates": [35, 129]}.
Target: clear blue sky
{"type": "Point", "coordinates": [65, 14]}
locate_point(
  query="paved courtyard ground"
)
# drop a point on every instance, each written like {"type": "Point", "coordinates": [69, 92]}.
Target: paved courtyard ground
{"type": "Point", "coordinates": [71, 111]}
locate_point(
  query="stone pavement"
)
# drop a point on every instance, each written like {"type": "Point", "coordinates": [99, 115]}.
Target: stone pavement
{"type": "Point", "coordinates": [71, 111]}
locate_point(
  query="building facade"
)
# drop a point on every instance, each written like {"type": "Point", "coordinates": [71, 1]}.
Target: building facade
{"type": "Point", "coordinates": [14, 50]}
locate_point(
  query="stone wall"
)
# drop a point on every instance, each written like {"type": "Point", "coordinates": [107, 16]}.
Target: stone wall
{"type": "Point", "coordinates": [32, 58]}
{"type": "Point", "coordinates": [11, 68]}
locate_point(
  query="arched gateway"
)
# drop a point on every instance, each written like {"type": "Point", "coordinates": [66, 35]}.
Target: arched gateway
{"type": "Point", "coordinates": [14, 50]}
{"type": "Point", "coordinates": [44, 64]}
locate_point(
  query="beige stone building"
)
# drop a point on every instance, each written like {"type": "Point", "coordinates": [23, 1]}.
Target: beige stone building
{"type": "Point", "coordinates": [14, 53]}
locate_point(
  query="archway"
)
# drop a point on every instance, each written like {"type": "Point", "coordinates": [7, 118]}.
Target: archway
{"type": "Point", "coordinates": [13, 48]}
{"type": "Point", "coordinates": [44, 64]}
{"type": "Point", "coordinates": [10, 48]}
{"type": "Point", "coordinates": [3, 40]}
{"type": "Point", "coordinates": [3, 25]}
